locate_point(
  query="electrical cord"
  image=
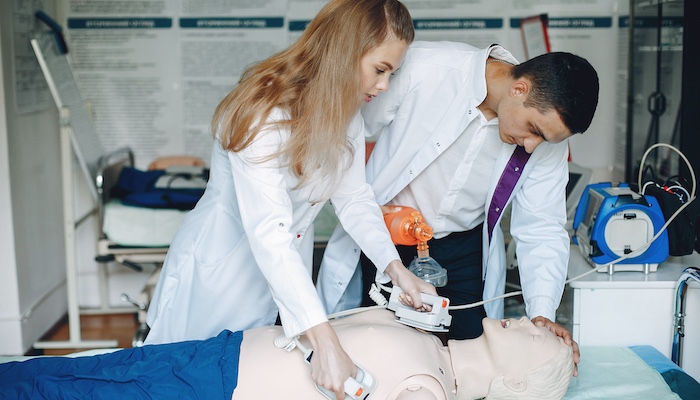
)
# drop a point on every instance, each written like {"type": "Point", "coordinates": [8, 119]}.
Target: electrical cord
{"type": "Point", "coordinates": [374, 290]}
{"type": "Point", "coordinates": [690, 167]}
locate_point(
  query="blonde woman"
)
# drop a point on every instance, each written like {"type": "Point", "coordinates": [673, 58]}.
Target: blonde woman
{"type": "Point", "coordinates": [288, 138]}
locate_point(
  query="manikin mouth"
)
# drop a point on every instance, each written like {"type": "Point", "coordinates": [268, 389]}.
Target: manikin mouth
{"type": "Point", "coordinates": [505, 323]}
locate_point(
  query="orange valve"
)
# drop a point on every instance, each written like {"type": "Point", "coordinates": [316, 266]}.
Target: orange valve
{"type": "Point", "coordinates": [407, 227]}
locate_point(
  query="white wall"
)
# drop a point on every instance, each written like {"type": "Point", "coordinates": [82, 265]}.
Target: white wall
{"type": "Point", "coordinates": [9, 300]}
{"type": "Point", "coordinates": [32, 271]}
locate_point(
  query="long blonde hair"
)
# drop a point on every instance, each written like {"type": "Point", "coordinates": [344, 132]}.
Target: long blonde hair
{"type": "Point", "coordinates": [316, 82]}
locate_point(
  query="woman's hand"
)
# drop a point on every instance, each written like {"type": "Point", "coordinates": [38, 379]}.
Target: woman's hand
{"type": "Point", "coordinates": [330, 365]}
{"type": "Point", "coordinates": [412, 286]}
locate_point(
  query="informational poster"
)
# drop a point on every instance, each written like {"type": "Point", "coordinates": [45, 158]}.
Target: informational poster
{"type": "Point", "coordinates": [31, 92]}
{"type": "Point", "coordinates": [153, 71]}
{"type": "Point", "coordinates": [299, 14]}
{"type": "Point", "coordinates": [475, 22]}
{"type": "Point", "coordinates": [446, 8]}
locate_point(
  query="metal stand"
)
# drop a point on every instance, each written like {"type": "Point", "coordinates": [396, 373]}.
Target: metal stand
{"type": "Point", "coordinates": [69, 226]}
{"type": "Point", "coordinates": [681, 288]}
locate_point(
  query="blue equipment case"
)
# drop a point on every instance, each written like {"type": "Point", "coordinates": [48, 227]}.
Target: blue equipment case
{"type": "Point", "coordinates": [612, 221]}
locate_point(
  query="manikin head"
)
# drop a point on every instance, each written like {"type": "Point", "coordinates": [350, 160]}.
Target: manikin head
{"type": "Point", "coordinates": [529, 362]}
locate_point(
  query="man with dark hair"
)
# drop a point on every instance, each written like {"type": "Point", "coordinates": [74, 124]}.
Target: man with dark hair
{"type": "Point", "coordinates": [563, 82]}
{"type": "Point", "coordinates": [462, 133]}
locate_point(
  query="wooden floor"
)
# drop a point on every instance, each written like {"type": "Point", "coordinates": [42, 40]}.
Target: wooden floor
{"type": "Point", "coordinates": [120, 327]}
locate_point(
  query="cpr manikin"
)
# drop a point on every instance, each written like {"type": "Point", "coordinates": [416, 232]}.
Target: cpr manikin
{"type": "Point", "coordinates": [511, 359]}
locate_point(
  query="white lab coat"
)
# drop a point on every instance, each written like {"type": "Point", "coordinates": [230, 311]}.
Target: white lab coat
{"type": "Point", "coordinates": [431, 100]}
{"type": "Point", "coordinates": [246, 249]}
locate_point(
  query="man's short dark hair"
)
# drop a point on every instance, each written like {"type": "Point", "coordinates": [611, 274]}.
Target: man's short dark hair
{"type": "Point", "coordinates": [564, 82]}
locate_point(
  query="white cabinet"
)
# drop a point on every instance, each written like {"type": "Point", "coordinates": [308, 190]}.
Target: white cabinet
{"type": "Point", "coordinates": [631, 308]}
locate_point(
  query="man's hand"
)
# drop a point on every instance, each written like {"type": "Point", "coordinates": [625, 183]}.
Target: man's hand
{"type": "Point", "coordinates": [562, 333]}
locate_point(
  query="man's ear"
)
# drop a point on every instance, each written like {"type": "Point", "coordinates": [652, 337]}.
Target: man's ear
{"type": "Point", "coordinates": [519, 87]}
{"type": "Point", "coordinates": [515, 383]}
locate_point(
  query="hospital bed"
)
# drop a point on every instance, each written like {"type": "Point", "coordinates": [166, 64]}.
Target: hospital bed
{"type": "Point", "coordinates": [134, 236]}
{"type": "Point", "coordinates": [605, 372]}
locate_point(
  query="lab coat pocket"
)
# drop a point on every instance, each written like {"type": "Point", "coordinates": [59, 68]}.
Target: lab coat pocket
{"type": "Point", "coordinates": [220, 236]}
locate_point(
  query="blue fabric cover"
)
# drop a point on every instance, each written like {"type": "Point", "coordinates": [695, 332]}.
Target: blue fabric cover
{"type": "Point", "coordinates": [206, 369]}
{"type": "Point", "coordinates": [654, 358]}
{"type": "Point", "coordinates": [680, 382]}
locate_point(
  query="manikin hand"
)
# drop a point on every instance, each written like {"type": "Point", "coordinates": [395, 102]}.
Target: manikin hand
{"type": "Point", "coordinates": [330, 365]}
{"type": "Point", "coordinates": [412, 285]}
{"type": "Point", "coordinates": [562, 333]}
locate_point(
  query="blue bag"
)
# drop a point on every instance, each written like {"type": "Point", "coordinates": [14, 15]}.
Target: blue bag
{"type": "Point", "coordinates": [160, 188]}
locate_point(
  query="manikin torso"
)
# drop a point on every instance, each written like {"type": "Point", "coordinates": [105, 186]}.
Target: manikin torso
{"type": "Point", "coordinates": [405, 363]}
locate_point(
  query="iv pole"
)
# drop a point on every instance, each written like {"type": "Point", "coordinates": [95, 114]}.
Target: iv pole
{"type": "Point", "coordinates": [55, 45]}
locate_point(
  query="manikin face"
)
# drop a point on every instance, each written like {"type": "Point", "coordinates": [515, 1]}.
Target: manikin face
{"type": "Point", "coordinates": [517, 345]}
{"type": "Point", "coordinates": [526, 126]}
{"type": "Point", "coordinates": [377, 66]}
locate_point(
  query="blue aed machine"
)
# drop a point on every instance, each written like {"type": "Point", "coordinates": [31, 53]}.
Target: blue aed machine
{"type": "Point", "coordinates": [612, 221]}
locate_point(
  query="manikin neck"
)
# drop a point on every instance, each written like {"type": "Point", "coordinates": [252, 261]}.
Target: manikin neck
{"type": "Point", "coordinates": [472, 366]}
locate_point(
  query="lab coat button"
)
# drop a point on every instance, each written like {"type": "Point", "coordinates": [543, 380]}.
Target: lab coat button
{"type": "Point", "coordinates": [281, 225]}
